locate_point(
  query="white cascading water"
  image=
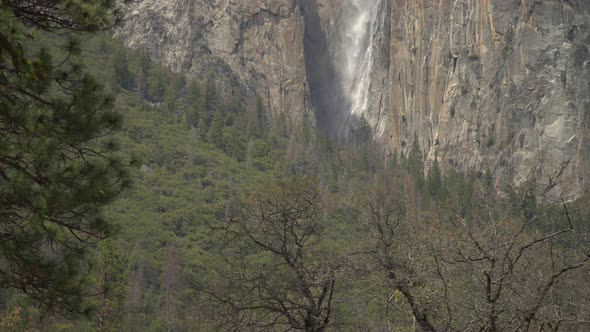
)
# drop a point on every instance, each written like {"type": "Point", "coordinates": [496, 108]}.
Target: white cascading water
{"type": "Point", "coordinates": [356, 52]}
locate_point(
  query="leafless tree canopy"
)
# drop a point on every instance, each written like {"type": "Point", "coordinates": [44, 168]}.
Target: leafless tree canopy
{"type": "Point", "coordinates": [290, 285]}
{"type": "Point", "coordinates": [498, 269]}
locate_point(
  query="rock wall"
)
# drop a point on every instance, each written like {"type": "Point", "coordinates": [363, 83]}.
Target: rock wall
{"type": "Point", "coordinates": [493, 83]}
{"type": "Point", "coordinates": [499, 84]}
{"type": "Point", "coordinates": [257, 44]}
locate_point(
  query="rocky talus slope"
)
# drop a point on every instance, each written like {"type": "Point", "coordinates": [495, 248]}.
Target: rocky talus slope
{"type": "Point", "coordinates": [503, 84]}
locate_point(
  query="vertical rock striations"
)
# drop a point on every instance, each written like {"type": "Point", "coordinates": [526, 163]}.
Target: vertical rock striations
{"type": "Point", "coordinates": [503, 84]}
{"type": "Point", "coordinates": [498, 83]}
{"type": "Point", "coordinates": [257, 44]}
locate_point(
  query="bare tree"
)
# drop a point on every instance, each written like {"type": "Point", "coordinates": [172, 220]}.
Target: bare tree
{"type": "Point", "coordinates": [506, 266]}
{"type": "Point", "coordinates": [278, 276]}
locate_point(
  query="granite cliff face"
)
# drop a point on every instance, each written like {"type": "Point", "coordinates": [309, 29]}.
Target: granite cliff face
{"type": "Point", "coordinates": [256, 44]}
{"type": "Point", "coordinates": [503, 84]}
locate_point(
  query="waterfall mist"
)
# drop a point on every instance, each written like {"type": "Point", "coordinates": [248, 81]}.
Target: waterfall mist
{"type": "Point", "coordinates": [356, 55]}
{"type": "Point", "coordinates": [339, 63]}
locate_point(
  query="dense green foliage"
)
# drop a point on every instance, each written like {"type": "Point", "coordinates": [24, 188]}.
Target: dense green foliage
{"type": "Point", "coordinates": [58, 165]}
{"type": "Point", "coordinates": [238, 221]}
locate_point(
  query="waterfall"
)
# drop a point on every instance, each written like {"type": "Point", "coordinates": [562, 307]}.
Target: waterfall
{"type": "Point", "coordinates": [339, 62]}
{"type": "Point", "coordinates": [356, 53]}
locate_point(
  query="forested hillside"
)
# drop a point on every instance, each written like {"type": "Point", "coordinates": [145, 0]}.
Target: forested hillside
{"type": "Point", "coordinates": [235, 220]}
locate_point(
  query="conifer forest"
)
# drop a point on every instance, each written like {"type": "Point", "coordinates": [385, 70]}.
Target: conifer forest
{"type": "Point", "coordinates": [141, 194]}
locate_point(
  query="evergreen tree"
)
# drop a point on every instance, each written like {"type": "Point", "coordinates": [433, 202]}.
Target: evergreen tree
{"type": "Point", "coordinates": [260, 124]}
{"type": "Point", "coordinates": [193, 93]}
{"type": "Point", "coordinates": [283, 128]}
{"type": "Point", "coordinates": [215, 134]}
{"type": "Point", "coordinates": [141, 83]}
{"type": "Point", "coordinates": [170, 285]}
{"type": "Point", "coordinates": [56, 173]}
{"type": "Point", "coordinates": [123, 77]}
{"type": "Point", "coordinates": [415, 162]}
{"type": "Point", "coordinates": [111, 281]}
{"type": "Point", "coordinates": [203, 129]}
{"type": "Point", "coordinates": [234, 144]}
{"type": "Point", "coordinates": [361, 139]}
{"type": "Point", "coordinates": [306, 130]}
{"type": "Point", "coordinates": [211, 100]}
{"type": "Point", "coordinates": [193, 118]}
{"type": "Point", "coordinates": [197, 115]}
{"type": "Point", "coordinates": [143, 71]}
{"type": "Point", "coordinates": [258, 154]}
{"type": "Point", "coordinates": [229, 119]}
{"type": "Point", "coordinates": [434, 183]}
{"type": "Point", "coordinates": [236, 107]}
{"type": "Point", "coordinates": [156, 83]}
{"type": "Point", "coordinates": [173, 92]}
{"type": "Point", "coordinates": [361, 132]}
{"type": "Point", "coordinates": [196, 104]}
